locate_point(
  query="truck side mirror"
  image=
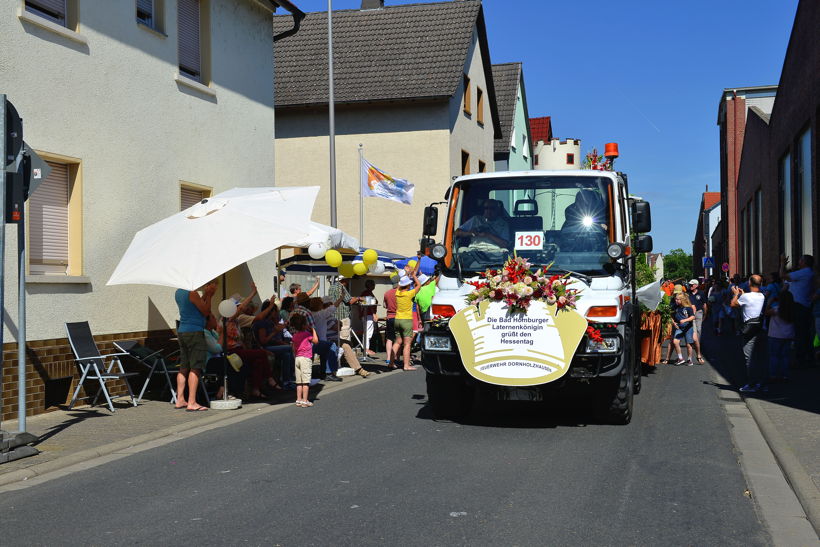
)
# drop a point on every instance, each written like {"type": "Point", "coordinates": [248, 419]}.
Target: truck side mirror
{"type": "Point", "coordinates": [641, 217]}
{"type": "Point", "coordinates": [643, 243]}
{"type": "Point", "coordinates": [430, 220]}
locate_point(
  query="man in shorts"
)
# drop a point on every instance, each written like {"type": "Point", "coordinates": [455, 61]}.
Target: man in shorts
{"type": "Point", "coordinates": [698, 299]}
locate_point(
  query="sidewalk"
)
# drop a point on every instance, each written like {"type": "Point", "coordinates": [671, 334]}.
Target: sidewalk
{"type": "Point", "coordinates": [73, 437]}
{"type": "Point", "coordinates": [788, 415]}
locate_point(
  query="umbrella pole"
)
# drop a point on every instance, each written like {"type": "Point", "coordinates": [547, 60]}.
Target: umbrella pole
{"type": "Point", "coordinates": [225, 349]}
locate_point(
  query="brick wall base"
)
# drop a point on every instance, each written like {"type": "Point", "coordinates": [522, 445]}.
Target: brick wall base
{"type": "Point", "coordinates": [52, 374]}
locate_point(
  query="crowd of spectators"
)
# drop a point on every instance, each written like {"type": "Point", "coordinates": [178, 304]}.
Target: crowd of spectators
{"type": "Point", "coordinates": [274, 347]}
{"type": "Point", "coordinates": [779, 313]}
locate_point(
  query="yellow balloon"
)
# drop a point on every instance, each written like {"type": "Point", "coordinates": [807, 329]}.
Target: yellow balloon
{"type": "Point", "coordinates": [346, 270]}
{"type": "Point", "coordinates": [333, 258]}
{"type": "Point", "coordinates": [360, 268]}
{"type": "Point", "coordinates": [370, 256]}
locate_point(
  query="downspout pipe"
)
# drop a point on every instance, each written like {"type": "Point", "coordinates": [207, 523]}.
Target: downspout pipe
{"type": "Point", "coordinates": [297, 14]}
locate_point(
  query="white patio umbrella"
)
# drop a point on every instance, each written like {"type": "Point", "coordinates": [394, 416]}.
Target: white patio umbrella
{"type": "Point", "coordinates": [188, 249]}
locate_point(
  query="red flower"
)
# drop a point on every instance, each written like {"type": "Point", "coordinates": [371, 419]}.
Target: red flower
{"type": "Point", "coordinates": [594, 334]}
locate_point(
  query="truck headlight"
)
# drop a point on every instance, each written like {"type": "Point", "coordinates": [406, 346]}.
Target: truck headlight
{"type": "Point", "coordinates": [610, 344]}
{"type": "Point", "coordinates": [434, 342]}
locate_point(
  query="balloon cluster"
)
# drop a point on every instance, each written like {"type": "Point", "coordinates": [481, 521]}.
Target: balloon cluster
{"type": "Point", "coordinates": [370, 263]}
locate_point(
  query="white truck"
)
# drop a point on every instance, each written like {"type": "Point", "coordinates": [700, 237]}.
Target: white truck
{"type": "Point", "coordinates": [583, 225]}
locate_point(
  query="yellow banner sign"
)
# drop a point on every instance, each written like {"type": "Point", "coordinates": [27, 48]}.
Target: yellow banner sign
{"type": "Point", "coordinates": [517, 349]}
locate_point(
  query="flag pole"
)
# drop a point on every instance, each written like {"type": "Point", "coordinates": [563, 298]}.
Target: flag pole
{"type": "Point", "coordinates": [361, 196]}
{"type": "Point", "coordinates": [331, 114]}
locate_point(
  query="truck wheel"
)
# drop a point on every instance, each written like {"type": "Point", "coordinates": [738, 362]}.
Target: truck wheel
{"type": "Point", "coordinates": [618, 394]}
{"type": "Point", "coordinates": [449, 397]}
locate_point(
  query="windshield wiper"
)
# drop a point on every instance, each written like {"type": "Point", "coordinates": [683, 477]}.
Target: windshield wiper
{"type": "Point", "coordinates": [583, 277]}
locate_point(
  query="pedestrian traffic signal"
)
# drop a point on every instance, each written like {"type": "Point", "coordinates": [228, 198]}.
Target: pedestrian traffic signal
{"type": "Point", "coordinates": [16, 191]}
{"type": "Point", "coordinates": [14, 134]}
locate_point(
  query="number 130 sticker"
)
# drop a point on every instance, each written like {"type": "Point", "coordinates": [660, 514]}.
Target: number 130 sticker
{"type": "Point", "coordinates": [529, 241]}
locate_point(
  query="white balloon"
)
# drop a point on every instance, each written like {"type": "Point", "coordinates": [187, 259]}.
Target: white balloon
{"type": "Point", "coordinates": [317, 250]}
{"type": "Point", "coordinates": [227, 308]}
{"type": "Point", "coordinates": [377, 267]}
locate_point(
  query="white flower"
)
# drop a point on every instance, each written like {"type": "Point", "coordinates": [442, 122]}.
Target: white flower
{"type": "Point", "coordinates": [497, 279]}
{"type": "Point", "coordinates": [528, 280]}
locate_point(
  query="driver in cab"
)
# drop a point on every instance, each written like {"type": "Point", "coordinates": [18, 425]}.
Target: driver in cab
{"type": "Point", "coordinates": [487, 231]}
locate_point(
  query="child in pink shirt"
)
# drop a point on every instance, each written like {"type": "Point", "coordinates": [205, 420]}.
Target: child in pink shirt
{"type": "Point", "coordinates": [303, 339]}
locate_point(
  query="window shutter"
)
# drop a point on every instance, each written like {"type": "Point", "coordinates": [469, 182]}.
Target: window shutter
{"type": "Point", "coordinates": [188, 26]}
{"type": "Point", "coordinates": [188, 197]}
{"type": "Point", "coordinates": [48, 223]}
{"type": "Point", "coordinates": [145, 12]}
{"type": "Point", "coordinates": [53, 10]}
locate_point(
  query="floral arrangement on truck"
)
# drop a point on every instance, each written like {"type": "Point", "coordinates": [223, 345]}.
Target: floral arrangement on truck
{"type": "Point", "coordinates": [517, 286]}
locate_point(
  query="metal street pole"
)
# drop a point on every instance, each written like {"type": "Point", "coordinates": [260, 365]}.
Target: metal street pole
{"type": "Point", "coordinates": [332, 114]}
{"type": "Point", "coordinates": [2, 228]}
{"type": "Point", "coordinates": [21, 317]}
{"type": "Point", "coordinates": [361, 198]}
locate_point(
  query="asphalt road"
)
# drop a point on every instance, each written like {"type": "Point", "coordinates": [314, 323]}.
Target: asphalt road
{"type": "Point", "coordinates": [369, 465]}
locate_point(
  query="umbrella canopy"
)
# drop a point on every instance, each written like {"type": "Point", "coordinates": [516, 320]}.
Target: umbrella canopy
{"type": "Point", "coordinates": [188, 249]}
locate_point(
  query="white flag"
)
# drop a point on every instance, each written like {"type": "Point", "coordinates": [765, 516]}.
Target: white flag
{"type": "Point", "coordinates": [377, 183]}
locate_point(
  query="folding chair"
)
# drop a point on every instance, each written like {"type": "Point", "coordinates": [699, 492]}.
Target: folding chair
{"type": "Point", "coordinates": [92, 363]}
{"type": "Point", "coordinates": [154, 361]}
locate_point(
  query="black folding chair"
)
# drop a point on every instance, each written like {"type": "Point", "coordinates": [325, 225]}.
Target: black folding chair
{"type": "Point", "coordinates": [92, 363]}
{"type": "Point", "coordinates": [154, 361]}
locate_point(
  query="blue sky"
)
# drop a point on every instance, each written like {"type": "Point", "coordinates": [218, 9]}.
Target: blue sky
{"type": "Point", "coordinates": [647, 74]}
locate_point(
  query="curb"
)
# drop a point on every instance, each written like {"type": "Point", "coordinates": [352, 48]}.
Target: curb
{"type": "Point", "coordinates": [99, 455]}
{"type": "Point", "coordinates": [798, 478]}
{"type": "Point", "coordinates": [802, 485]}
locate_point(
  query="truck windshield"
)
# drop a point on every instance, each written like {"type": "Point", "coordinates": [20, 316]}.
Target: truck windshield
{"type": "Point", "coordinates": [550, 219]}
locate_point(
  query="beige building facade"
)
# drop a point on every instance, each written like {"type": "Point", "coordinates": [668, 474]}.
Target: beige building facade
{"type": "Point", "coordinates": [424, 135]}
{"type": "Point", "coordinates": [132, 134]}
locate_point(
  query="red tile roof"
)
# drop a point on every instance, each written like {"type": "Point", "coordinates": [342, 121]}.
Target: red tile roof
{"type": "Point", "coordinates": [710, 199]}
{"type": "Point", "coordinates": [540, 129]}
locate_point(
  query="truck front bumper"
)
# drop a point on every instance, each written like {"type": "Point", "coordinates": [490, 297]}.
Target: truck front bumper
{"type": "Point", "coordinates": [583, 365]}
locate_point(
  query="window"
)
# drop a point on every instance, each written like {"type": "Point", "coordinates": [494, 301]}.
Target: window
{"type": "Point", "coordinates": [759, 229]}
{"type": "Point", "coordinates": [786, 203]}
{"type": "Point", "coordinates": [479, 97]}
{"type": "Point", "coordinates": [465, 163]}
{"type": "Point", "coordinates": [145, 12]}
{"type": "Point", "coordinates": [803, 197]}
{"type": "Point", "coordinates": [54, 222]}
{"type": "Point", "coordinates": [191, 194]}
{"type": "Point", "coordinates": [468, 99]}
{"type": "Point", "coordinates": [482, 167]}
{"type": "Point", "coordinates": [514, 140]}
{"type": "Point", "coordinates": [570, 159]}
{"type": "Point", "coordinates": [190, 24]}
{"type": "Point", "coordinates": [54, 10]}
{"type": "Point", "coordinates": [524, 148]}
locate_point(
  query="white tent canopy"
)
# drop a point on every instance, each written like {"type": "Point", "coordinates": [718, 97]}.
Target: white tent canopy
{"type": "Point", "coordinates": [320, 233]}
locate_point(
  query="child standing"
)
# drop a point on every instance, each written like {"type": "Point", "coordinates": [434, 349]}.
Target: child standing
{"type": "Point", "coordinates": [303, 339]}
{"type": "Point", "coordinates": [781, 336]}
{"type": "Point", "coordinates": [683, 321]}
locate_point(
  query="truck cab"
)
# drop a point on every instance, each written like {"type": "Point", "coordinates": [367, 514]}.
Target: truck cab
{"type": "Point", "coordinates": [581, 224]}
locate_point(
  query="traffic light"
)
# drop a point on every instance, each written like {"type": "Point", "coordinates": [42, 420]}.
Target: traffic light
{"type": "Point", "coordinates": [14, 134]}
{"type": "Point", "coordinates": [17, 190]}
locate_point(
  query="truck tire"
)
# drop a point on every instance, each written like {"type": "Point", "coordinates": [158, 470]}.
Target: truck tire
{"type": "Point", "coordinates": [449, 396]}
{"type": "Point", "coordinates": [618, 393]}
